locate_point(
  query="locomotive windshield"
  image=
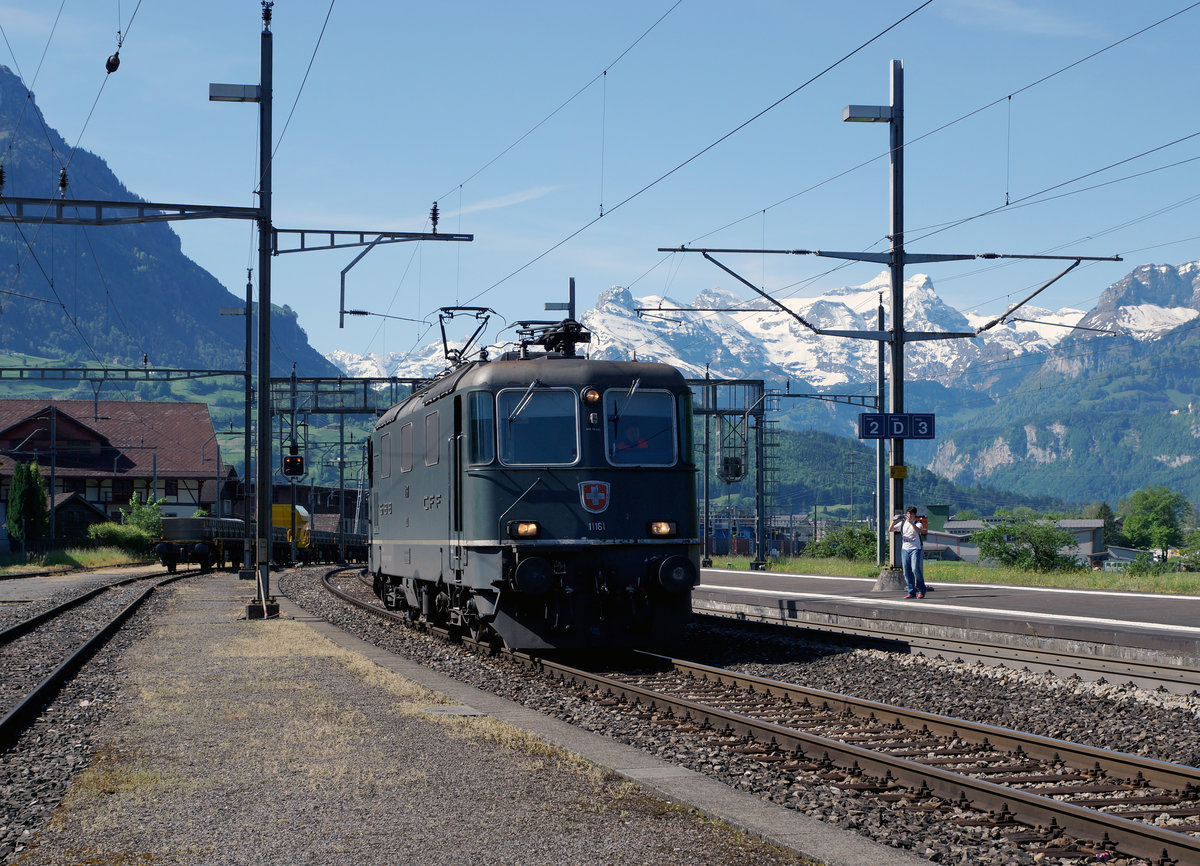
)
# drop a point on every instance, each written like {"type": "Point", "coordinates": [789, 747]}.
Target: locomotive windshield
{"type": "Point", "coordinates": [641, 427]}
{"type": "Point", "coordinates": [545, 432]}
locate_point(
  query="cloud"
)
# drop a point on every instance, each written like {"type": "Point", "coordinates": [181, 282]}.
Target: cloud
{"type": "Point", "coordinates": [315, 213]}
{"type": "Point", "coordinates": [1016, 17]}
{"type": "Point", "coordinates": [505, 200]}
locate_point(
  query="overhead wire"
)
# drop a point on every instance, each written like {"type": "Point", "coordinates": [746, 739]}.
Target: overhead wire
{"type": "Point", "coordinates": [600, 76]}
{"type": "Point", "coordinates": [959, 119]}
{"type": "Point", "coordinates": [706, 148]}
{"type": "Point", "coordinates": [597, 77]}
{"type": "Point", "coordinates": [312, 58]}
{"type": "Point", "coordinates": [973, 112]}
{"type": "Point", "coordinates": [127, 396]}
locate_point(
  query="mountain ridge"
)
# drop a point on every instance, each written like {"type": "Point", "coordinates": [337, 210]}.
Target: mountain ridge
{"type": "Point", "coordinates": [1035, 404]}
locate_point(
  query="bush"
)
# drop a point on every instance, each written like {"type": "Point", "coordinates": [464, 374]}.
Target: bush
{"type": "Point", "coordinates": [853, 542]}
{"type": "Point", "coordinates": [1143, 563]}
{"type": "Point", "coordinates": [122, 535]}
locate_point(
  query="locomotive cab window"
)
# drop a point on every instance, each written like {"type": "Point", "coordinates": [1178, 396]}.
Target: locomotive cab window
{"type": "Point", "coordinates": [482, 428]}
{"type": "Point", "coordinates": [640, 428]}
{"type": "Point", "coordinates": [538, 426]}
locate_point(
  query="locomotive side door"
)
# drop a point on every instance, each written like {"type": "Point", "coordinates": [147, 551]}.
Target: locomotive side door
{"type": "Point", "coordinates": [454, 489]}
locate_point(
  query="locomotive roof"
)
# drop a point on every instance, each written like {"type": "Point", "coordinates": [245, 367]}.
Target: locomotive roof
{"type": "Point", "coordinates": [550, 370]}
{"type": "Point", "coordinates": [553, 370]}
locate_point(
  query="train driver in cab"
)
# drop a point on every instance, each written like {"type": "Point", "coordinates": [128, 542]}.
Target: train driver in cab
{"type": "Point", "coordinates": [632, 439]}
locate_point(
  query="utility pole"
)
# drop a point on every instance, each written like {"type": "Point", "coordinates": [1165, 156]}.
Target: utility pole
{"type": "Point", "coordinates": [263, 465]}
{"type": "Point", "coordinates": [896, 467]}
{"type": "Point", "coordinates": [268, 245]}
{"type": "Point", "coordinates": [247, 434]}
{"type": "Point", "coordinates": [893, 115]}
{"type": "Point", "coordinates": [881, 507]}
{"type": "Point", "coordinates": [569, 306]}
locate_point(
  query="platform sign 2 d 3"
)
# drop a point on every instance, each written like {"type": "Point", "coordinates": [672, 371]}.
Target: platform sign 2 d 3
{"type": "Point", "coordinates": [895, 425]}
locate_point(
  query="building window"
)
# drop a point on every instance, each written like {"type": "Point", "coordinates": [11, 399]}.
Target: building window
{"type": "Point", "coordinates": [171, 488]}
{"type": "Point", "coordinates": [122, 491]}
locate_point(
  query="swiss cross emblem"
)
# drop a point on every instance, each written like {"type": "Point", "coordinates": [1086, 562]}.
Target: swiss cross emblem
{"type": "Point", "coordinates": [593, 495]}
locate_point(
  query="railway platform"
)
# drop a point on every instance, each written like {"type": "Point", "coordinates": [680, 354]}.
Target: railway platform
{"type": "Point", "coordinates": [1141, 628]}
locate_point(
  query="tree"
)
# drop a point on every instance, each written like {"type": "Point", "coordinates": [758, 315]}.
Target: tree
{"type": "Point", "coordinates": [1020, 542]}
{"type": "Point", "coordinates": [1112, 535]}
{"type": "Point", "coordinates": [1017, 512]}
{"type": "Point", "coordinates": [147, 517]}
{"type": "Point", "coordinates": [28, 516]}
{"type": "Point", "coordinates": [845, 542]}
{"type": "Point", "coordinates": [1154, 518]}
{"type": "Point", "coordinates": [1191, 551]}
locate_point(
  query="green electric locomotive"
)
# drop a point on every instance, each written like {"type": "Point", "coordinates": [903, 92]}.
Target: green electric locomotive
{"type": "Point", "coordinates": [542, 498]}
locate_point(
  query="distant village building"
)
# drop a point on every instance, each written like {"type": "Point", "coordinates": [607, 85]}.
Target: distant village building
{"type": "Point", "coordinates": [73, 515]}
{"type": "Point", "coordinates": [98, 456]}
{"type": "Point", "coordinates": [953, 540]}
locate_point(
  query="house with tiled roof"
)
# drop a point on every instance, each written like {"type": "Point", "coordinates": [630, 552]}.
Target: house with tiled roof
{"type": "Point", "coordinates": [113, 452]}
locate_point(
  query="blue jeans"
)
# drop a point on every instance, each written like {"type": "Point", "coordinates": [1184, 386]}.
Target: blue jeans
{"type": "Point", "coordinates": [913, 562]}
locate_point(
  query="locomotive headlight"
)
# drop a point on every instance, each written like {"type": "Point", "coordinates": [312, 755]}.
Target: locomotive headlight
{"type": "Point", "coordinates": [591, 396]}
{"type": "Point", "coordinates": [522, 529]}
{"type": "Point", "coordinates": [662, 528]}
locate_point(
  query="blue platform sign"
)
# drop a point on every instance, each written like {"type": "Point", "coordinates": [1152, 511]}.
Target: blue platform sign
{"type": "Point", "coordinates": [895, 425]}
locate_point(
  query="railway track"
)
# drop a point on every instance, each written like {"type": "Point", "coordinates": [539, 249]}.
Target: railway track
{"type": "Point", "coordinates": [1055, 798]}
{"type": "Point", "coordinates": [1180, 679]}
{"type": "Point", "coordinates": [42, 652]}
{"type": "Point", "coordinates": [1109, 799]}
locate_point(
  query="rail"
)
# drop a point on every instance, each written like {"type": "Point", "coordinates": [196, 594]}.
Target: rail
{"type": "Point", "coordinates": [25, 710]}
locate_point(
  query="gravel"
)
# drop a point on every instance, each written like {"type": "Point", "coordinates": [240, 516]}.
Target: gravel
{"type": "Point", "coordinates": [38, 769]}
{"type": "Point", "coordinates": [1120, 717]}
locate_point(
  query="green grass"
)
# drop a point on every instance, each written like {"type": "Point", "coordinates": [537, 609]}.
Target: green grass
{"type": "Point", "coordinates": [65, 560]}
{"type": "Point", "coordinates": [1179, 583]}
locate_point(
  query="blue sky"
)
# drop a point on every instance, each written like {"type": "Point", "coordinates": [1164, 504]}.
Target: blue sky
{"type": "Point", "coordinates": [526, 120]}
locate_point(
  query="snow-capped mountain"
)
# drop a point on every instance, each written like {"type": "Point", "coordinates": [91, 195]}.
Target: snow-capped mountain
{"type": "Point", "coordinates": [1149, 301]}
{"type": "Point", "coordinates": [425, 362]}
{"type": "Point", "coordinates": [735, 338]}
